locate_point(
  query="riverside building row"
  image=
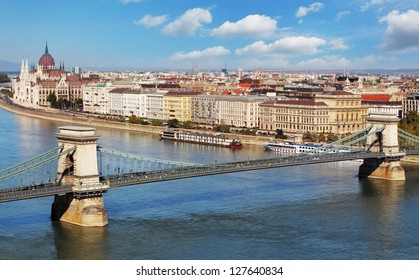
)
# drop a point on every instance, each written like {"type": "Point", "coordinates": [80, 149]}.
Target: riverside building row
{"type": "Point", "coordinates": [338, 112]}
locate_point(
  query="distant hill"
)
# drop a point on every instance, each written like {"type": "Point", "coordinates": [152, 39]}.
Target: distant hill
{"type": "Point", "coordinates": [7, 66]}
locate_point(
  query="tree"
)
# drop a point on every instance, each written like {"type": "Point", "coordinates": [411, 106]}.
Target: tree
{"type": "Point", "coordinates": [280, 134]}
{"type": "Point", "coordinates": [78, 104]}
{"type": "Point", "coordinates": [4, 78]}
{"type": "Point", "coordinates": [134, 119]}
{"type": "Point", "coordinates": [311, 137]}
{"type": "Point", "coordinates": [187, 124]}
{"type": "Point", "coordinates": [52, 99]}
{"type": "Point", "coordinates": [332, 137]}
{"type": "Point", "coordinates": [156, 122]}
{"type": "Point", "coordinates": [222, 128]}
{"type": "Point", "coordinates": [410, 123]}
{"type": "Point", "coordinates": [173, 123]}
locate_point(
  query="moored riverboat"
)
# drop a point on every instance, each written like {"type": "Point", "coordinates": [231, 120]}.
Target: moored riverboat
{"type": "Point", "coordinates": [212, 139]}
{"type": "Point", "coordinates": [290, 147]}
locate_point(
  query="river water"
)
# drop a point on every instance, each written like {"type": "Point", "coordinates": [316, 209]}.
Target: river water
{"type": "Point", "coordinates": [321, 211]}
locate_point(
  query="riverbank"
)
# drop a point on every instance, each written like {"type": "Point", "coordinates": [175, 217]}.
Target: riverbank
{"type": "Point", "coordinates": [93, 121]}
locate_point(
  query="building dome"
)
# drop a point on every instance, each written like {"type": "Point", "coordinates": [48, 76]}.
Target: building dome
{"type": "Point", "coordinates": [46, 60]}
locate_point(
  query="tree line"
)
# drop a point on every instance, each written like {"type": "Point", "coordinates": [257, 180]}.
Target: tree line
{"type": "Point", "coordinates": [4, 78]}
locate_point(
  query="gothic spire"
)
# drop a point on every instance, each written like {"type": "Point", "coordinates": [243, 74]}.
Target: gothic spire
{"type": "Point", "coordinates": [22, 66]}
{"type": "Point", "coordinates": [46, 47]}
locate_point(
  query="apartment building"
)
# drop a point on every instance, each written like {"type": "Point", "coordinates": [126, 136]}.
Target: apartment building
{"type": "Point", "coordinates": [178, 105]}
{"type": "Point", "coordinates": [96, 98]}
{"type": "Point", "coordinates": [233, 110]}
{"type": "Point", "coordinates": [155, 103]}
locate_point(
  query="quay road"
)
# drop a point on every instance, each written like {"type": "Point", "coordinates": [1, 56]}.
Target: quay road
{"type": "Point", "coordinates": [126, 179]}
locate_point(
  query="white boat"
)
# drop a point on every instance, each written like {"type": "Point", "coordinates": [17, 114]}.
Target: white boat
{"type": "Point", "coordinates": [290, 147]}
{"type": "Point", "coordinates": [213, 139]}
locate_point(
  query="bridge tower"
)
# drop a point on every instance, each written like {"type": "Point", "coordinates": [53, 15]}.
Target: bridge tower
{"type": "Point", "coordinates": [84, 206]}
{"type": "Point", "coordinates": [384, 121]}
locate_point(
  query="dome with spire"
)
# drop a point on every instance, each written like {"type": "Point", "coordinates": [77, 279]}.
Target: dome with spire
{"type": "Point", "coordinates": [46, 61]}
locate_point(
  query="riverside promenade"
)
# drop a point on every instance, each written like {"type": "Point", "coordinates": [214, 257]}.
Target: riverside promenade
{"type": "Point", "coordinates": [76, 118]}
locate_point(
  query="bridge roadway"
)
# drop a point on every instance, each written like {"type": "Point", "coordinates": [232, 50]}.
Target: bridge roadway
{"type": "Point", "coordinates": [230, 167]}
{"type": "Point", "coordinates": [120, 180]}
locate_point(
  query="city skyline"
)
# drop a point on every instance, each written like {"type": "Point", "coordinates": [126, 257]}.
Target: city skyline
{"type": "Point", "coordinates": [166, 35]}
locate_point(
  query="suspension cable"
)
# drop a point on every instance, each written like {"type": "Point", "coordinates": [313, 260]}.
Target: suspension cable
{"type": "Point", "coordinates": [25, 169]}
{"type": "Point", "coordinates": [47, 153]}
{"type": "Point", "coordinates": [147, 159]}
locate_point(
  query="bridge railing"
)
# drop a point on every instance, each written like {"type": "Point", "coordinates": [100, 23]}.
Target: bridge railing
{"type": "Point", "coordinates": [33, 191]}
{"type": "Point", "coordinates": [229, 167]}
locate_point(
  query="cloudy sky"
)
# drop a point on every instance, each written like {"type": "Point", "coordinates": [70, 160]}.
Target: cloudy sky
{"type": "Point", "coordinates": [247, 34]}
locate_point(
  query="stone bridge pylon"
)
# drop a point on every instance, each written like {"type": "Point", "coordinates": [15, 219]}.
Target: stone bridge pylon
{"type": "Point", "coordinates": [384, 122]}
{"type": "Point", "coordinates": [79, 168]}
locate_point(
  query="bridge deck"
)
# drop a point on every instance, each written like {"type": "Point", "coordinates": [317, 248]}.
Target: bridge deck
{"type": "Point", "coordinates": [230, 167]}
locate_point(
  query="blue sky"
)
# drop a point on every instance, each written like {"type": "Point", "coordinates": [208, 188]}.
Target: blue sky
{"type": "Point", "coordinates": [247, 34]}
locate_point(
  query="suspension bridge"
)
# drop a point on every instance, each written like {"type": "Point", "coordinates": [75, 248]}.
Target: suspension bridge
{"type": "Point", "coordinates": [78, 172]}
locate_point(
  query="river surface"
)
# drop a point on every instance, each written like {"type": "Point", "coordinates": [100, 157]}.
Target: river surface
{"type": "Point", "coordinates": [321, 211]}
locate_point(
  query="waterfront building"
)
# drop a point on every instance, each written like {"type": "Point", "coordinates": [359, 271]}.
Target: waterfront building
{"type": "Point", "coordinates": [411, 103]}
{"type": "Point", "coordinates": [178, 105]}
{"type": "Point", "coordinates": [127, 102]}
{"type": "Point", "coordinates": [155, 104]}
{"type": "Point", "coordinates": [346, 112]}
{"type": "Point", "coordinates": [233, 110]}
{"type": "Point", "coordinates": [116, 101]}
{"type": "Point", "coordinates": [204, 109]}
{"type": "Point", "coordinates": [294, 116]}
{"type": "Point", "coordinates": [106, 99]}
{"type": "Point", "coordinates": [33, 86]}
{"type": "Point", "coordinates": [135, 103]}
{"type": "Point", "coordinates": [96, 98]}
{"type": "Point", "coordinates": [337, 112]}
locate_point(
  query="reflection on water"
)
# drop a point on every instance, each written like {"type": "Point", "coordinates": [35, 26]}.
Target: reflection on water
{"type": "Point", "coordinates": [383, 188]}
{"type": "Point", "coordinates": [79, 243]}
{"type": "Point", "coordinates": [383, 208]}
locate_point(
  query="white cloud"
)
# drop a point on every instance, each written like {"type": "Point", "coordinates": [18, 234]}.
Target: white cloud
{"type": "Point", "coordinates": [288, 46]}
{"type": "Point", "coordinates": [130, 1]}
{"type": "Point", "coordinates": [402, 33]}
{"type": "Point", "coordinates": [342, 14]}
{"type": "Point", "coordinates": [207, 53]}
{"type": "Point", "coordinates": [338, 44]}
{"type": "Point", "coordinates": [368, 4]}
{"type": "Point", "coordinates": [333, 62]}
{"type": "Point", "coordinates": [188, 23]}
{"type": "Point", "coordinates": [151, 21]}
{"type": "Point", "coordinates": [314, 7]}
{"type": "Point", "coordinates": [326, 63]}
{"type": "Point", "coordinates": [250, 26]}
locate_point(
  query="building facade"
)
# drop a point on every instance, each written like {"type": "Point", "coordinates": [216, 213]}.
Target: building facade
{"type": "Point", "coordinates": [411, 103]}
{"type": "Point", "coordinates": [337, 112]}
{"type": "Point", "coordinates": [178, 105]}
{"type": "Point", "coordinates": [294, 116]}
{"type": "Point", "coordinates": [233, 110]}
{"type": "Point", "coordinates": [96, 98]}
{"type": "Point", "coordinates": [33, 86]}
{"type": "Point", "coordinates": [346, 112]}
